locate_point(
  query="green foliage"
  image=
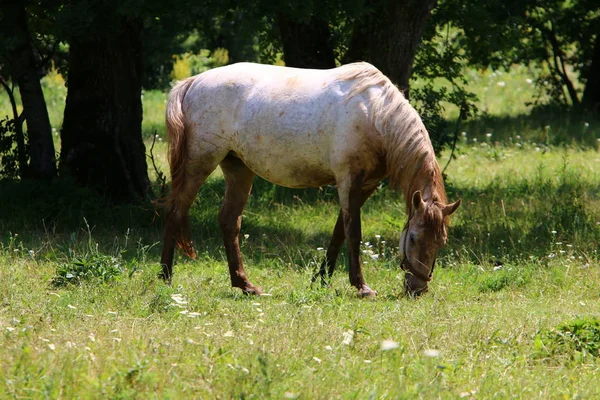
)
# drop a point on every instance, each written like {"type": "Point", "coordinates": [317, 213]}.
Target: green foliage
{"type": "Point", "coordinates": [189, 64]}
{"type": "Point", "coordinates": [578, 339]}
{"type": "Point", "coordinates": [543, 36]}
{"type": "Point", "coordinates": [88, 268]}
{"type": "Point", "coordinates": [89, 265]}
{"type": "Point", "coordinates": [9, 156]}
{"type": "Point", "coordinates": [503, 277]}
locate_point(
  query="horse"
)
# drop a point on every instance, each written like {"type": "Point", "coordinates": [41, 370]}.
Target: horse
{"type": "Point", "coordinates": [300, 128]}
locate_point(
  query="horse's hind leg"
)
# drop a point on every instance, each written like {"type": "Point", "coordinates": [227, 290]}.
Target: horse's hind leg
{"type": "Point", "coordinates": [337, 240]}
{"type": "Point", "coordinates": [177, 229]}
{"type": "Point", "coordinates": [238, 183]}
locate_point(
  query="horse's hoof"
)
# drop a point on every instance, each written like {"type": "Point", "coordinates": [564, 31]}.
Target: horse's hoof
{"type": "Point", "coordinates": [366, 291]}
{"type": "Point", "coordinates": [252, 290]}
{"type": "Point", "coordinates": [164, 277]}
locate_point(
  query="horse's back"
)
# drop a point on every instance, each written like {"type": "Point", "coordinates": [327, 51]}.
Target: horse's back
{"type": "Point", "coordinates": [287, 124]}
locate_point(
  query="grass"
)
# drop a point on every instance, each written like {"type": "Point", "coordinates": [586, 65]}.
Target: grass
{"type": "Point", "coordinates": [512, 312]}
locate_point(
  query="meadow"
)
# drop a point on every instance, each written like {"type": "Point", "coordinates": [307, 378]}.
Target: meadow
{"type": "Point", "coordinates": [513, 310]}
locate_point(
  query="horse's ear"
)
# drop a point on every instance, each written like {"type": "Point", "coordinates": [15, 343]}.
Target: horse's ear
{"type": "Point", "coordinates": [450, 208]}
{"type": "Point", "coordinates": [417, 200]}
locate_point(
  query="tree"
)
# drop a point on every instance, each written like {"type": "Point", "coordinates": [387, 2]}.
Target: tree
{"type": "Point", "coordinates": [591, 94]}
{"type": "Point", "coordinates": [24, 69]}
{"type": "Point", "coordinates": [557, 37]}
{"type": "Point", "coordinates": [388, 36]}
{"type": "Point", "coordinates": [102, 144]}
{"type": "Point", "coordinates": [306, 44]}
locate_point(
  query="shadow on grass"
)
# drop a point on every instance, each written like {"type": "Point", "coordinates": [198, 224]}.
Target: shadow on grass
{"type": "Point", "coordinates": [524, 220]}
{"type": "Point", "coordinates": [62, 215]}
{"type": "Point", "coordinates": [550, 126]}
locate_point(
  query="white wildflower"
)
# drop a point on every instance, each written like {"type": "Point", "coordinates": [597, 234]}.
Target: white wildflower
{"type": "Point", "coordinates": [389, 345]}
{"type": "Point", "coordinates": [431, 353]}
{"type": "Point", "coordinates": [348, 337]}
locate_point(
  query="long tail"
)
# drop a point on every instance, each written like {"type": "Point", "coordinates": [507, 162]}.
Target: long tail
{"type": "Point", "coordinates": [178, 158]}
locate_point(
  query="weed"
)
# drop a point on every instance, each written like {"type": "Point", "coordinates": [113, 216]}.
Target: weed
{"type": "Point", "coordinates": [578, 339]}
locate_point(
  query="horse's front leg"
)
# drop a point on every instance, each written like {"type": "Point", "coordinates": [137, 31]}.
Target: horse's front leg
{"type": "Point", "coordinates": [336, 242]}
{"type": "Point", "coordinates": [351, 200]}
{"type": "Point", "coordinates": [238, 183]}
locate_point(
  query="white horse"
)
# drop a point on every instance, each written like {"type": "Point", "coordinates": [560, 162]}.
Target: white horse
{"type": "Point", "coordinates": [304, 128]}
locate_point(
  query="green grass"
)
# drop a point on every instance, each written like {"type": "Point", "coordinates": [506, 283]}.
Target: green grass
{"type": "Point", "coordinates": [512, 311]}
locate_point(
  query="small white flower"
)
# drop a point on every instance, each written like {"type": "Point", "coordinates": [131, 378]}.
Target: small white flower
{"type": "Point", "coordinates": [71, 307]}
{"type": "Point", "coordinates": [553, 232]}
{"type": "Point", "coordinates": [389, 345]}
{"type": "Point", "coordinates": [463, 133]}
{"type": "Point", "coordinates": [246, 236]}
{"type": "Point", "coordinates": [320, 249]}
{"type": "Point", "coordinates": [431, 353]}
{"type": "Point", "coordinates": [348, 337]}
{"type": "Point", "coordinates": [501, 83]}
{"type": "Point", "coordinates": [374, 256]}
{"type": "Point", "coordinates": [367, 361]}
{"type": "Point", "coordinates": [378, 236]}
{"type": "Point", "coordinates": [52, 347]}
{"type": "Point", "coordinates": [586, 124]}
{"type": "Point", "coordinates": [528, 80]}
{"type": "Point", "coordinates": [328, 348]}
{"type": "Point", "coordinates": [317, 360]}
{"type": "Point", "coordinates": [228, 334]}
{"type": "Point", "coordinates": [488, 135]}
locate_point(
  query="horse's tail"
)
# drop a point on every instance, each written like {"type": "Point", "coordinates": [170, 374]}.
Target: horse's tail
{"type": "Point", "coordinates": [178, 158]}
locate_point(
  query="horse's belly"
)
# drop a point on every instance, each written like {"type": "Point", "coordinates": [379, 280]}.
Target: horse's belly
{"type": "Point", "coordinates": [287, 164]}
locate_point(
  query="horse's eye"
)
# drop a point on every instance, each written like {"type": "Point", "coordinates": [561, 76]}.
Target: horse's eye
{"type": "Point", "coordinates": [411, 237]}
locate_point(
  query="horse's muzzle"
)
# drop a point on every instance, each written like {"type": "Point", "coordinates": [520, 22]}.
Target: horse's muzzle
{"type": "Point", "coordinates": [415, 283]}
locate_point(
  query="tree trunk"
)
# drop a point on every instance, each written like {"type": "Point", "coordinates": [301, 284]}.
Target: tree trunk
{"type": "Point", "coordinates": [389, 36]}
{"type": "Point", "coordinates": [306, 45]}
{"type": "Point", "coordinates": [591, 94]}
{"type": "Point", "coordinates": [42, 164]}
{"type": "Point", "coordinates": [102, 144]}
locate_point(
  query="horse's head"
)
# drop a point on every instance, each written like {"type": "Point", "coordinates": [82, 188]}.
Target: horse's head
{"type": "Point", "coordinates": [424, 235]}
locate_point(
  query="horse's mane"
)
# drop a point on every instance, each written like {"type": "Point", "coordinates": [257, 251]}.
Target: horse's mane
{"type": "Point", "coordinates": [411, 160]}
